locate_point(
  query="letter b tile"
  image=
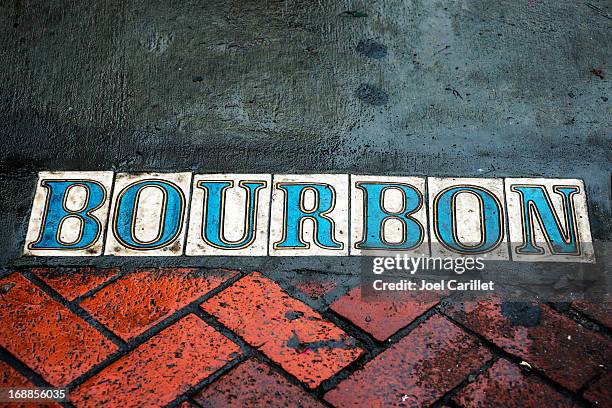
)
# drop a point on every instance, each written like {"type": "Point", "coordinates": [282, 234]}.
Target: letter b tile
{"type": "Point", "coordinates": [69, 214]}
{"type": "Point", "coordinates": [388, 216]}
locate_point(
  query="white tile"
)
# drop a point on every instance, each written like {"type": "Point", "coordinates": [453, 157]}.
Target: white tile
{"type": "Point", "coordinates": [236, 233]}
{"type": "Point", "coordinates": [335, 241]}
{"type": "Point", "coordinates": [395, 203]}
{"type": "Point", "coordinates": [69, 228]}
{"type": "Point", "coordinates": [518, 222]}
{"type": "Point", "coordinates": [463, 209]}
{"type": "Point", "coordinates": [150, 231]}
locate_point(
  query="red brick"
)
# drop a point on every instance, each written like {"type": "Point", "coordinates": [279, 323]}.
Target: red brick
{"type": "Point", "coordinates": [600, 312]}
{"type": "Point", "coordinates": [254, 384]}
{"type": "Point", "coordinates": [10, 378]}
{"type": "Point", "coordinates": [46, 336]}
{"type": "Point", "coordinates": [420, 368]}
{"type": "Point", "coordinates": [600, 393]}
{"type": "Point", "coordinates": [315, 289]}
{"type": "Point", "coordinates": [140, 300]}
{"type": "Point", "coordinates": [504, 385]}
{"type": "Point", "coordinates": [561, 348]}
{"type": "Point", "coordinates": [161, 369]}
{"type": "Point", "coordinates": [72, 283]}
{"type": "Point", "coordinates": [285, 329]}
{"type": "Point", "coordinates": [382, 318]}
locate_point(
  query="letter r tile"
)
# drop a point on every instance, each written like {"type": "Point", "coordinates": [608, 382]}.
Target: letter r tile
{"type": "Point", "coordinates": [548, 220]}
{"type": "Point", "coordinates": [467, 217]}
{"type": "Point", "coordinates": [229, 215]}
{"type": "Point", "coordinates": [309, 215]}
{"type": "Point", "coordinates": [148, 214]}
{"type": "Point", "coordinates": [69, 214]}
{"type": "Point", "coordinates": [388, 216]}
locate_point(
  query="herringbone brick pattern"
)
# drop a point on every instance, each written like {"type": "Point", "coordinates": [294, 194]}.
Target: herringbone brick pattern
{"type": "Point", "coordinates": [214, 338]}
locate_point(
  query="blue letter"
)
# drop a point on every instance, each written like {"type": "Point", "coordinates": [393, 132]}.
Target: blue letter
{"type": "Point", "coordinates": [295, 215]}
{"type": "Point", "coordinates": [170, 224]}
{"type": "Point", "coordinates": [491, 220]}
{"type": "Point", "coordinates": [56, 213]}
{"type": "Point", "coordinates": [215, 193]}
{"type": "Point", "coordinates": [536, 202]}
{"type": "Point", "coordinates": [375, 216]}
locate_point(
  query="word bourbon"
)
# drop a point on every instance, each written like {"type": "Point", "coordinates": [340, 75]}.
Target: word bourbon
{"type": "Point", "coordinates": [173, 214]}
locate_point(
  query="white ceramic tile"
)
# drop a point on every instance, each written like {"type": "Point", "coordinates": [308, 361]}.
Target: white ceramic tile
{"type": "Point", "coordinates": [235, 229]}
{"type": "Point", "coordinates": [393, 202]}
{"type": "Point", "coordinates": [465, 210]}
{"type": "Point", "coordinates": [152, 208]}
{"type": "Point", "coordinates": [517, 220]}
{"type": "Point", "coordinates": [76, 198]}
{"type": "Point", "coordinates": [338, 214]}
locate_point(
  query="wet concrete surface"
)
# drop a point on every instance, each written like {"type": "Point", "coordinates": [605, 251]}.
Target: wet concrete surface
{"type": "Point", "coordinates": [438, 88]}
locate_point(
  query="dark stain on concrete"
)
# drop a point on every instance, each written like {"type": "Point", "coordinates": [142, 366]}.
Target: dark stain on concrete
{"type": "Point", "coordinates": [372, 49]}
{"type": "Point", "coordinates": [372, 95]}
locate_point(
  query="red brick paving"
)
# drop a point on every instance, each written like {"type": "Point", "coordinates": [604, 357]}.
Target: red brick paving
{"type": "Point", "coordinates": [381, 318]}
{"type": "Point", "coordinates": [253, 384]}
{"type": "Point", "coordinates": [564, 350]}
{"type": "Point", "coordinates": [45, 335]}
{"type": "Point", "coordinates": [315, 289]}
{"type": "Point", "coordinates": [422, 367]}
{"type": "Point", "coordinates": [285, 329]}
{"type": "Point", "coordinates": [161, 369]}
{"type": "Point", "coordinates": [504, 385]}
{"type": "Point", "coordinates": [600, 393]}
{"type": "Point", "coordinates": [138, 301]}
{"type": "Point", "coordinates": [417, 371]}
{"type": "Point", "coordinates": [72, 283]}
